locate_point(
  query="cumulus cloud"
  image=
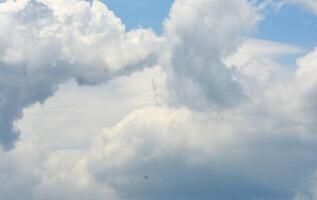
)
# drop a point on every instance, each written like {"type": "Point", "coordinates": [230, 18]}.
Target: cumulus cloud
{"type": "Point", "coordinates": [200, 34]}
{"type": "Point", "coordinates": [262, 149]}
{"type": "Point", "coordinates": [45, 43]}
{"type": "Point", "coordinates": [307, 66]}
{"type": "Point", "coordinates": [49, 160]}
{"type": "Point", "coordinates": [258, 64]}
{"type": "Point", "coordinates": [33, 171]}
{"type": "Point", "coordinates": [216, 117]}
{"type": "Point", "coordinates": [94, 106]}
{"type": "Point", "coordinates": [219, 156]}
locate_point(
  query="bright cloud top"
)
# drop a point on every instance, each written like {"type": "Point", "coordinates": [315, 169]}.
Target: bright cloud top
{"type": "Point", "coordinates": [202, 111]}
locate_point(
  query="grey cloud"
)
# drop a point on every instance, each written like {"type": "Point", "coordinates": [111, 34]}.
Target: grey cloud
{"type": "Point", "coordinates": [200, 35]}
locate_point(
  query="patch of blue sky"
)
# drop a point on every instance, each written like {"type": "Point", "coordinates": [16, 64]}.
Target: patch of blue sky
{"type": "Point", "coordinates": [291, 25]}
{"type": "Point", "coordinates": [141, 13]}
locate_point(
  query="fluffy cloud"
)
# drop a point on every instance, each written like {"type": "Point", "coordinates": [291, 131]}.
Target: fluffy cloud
{"type": "Point", "coordinates": [258, 66]}
{"type": "Point", "coordinates": [33, 171]}
{"type": "Point", "coordinates": [49, 160]}
{"type": "Point", "coordinates": [200, 34]}
{"type": "Point", "coordinates": [44, 43]}
{"type": "Point", "coordinates": [307, 66]}
{"type": "Point", "coordinates": [94, 106]}
{"type": "Point", "coordinates": [264, 148]}
{"type": "Point", "coordinates": [219, 156]}
{"type": "Point", "coordinates": [215, 118]}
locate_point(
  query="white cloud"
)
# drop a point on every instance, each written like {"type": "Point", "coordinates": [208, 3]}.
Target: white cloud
{"type": "Point", "coordinates": [44, 43]}
{"type": "Point", "coordinates": [48, 161]}
{"type": "Point", "coordinates": [258, 63]}
{"type": "Point", "coordinates": [33, 171]}
{"type": "Point", "coordinates": [76, 114]}
{"type": "Point", "coordinates": [307, 67]}
{"type": "Point", "coordinates": [262, 148]}
{"type": "Point", "coordinates": [260, 49]}
{"type": "Point", "coordinates": [215, 156]}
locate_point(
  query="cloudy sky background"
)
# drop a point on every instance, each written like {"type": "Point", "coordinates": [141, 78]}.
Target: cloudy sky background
{"type": "Point", "coordinates": [121, 99]}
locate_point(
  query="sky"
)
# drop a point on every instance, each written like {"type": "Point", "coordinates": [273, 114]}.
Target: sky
{"type": "Point", "coordinates": [141, 13]}
{"type": "Point", "coordinates": [287, 25]}
{"type": "Point", "coordinates": [284, 25]}
{"type": "Point", "coordinates": [153, 99]}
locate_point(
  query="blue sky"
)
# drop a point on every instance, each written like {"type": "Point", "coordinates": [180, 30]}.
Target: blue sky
{"type": "Point", "coordinates": [290, 24]}
{"type": "Point", "coordinates": [145, 13]}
